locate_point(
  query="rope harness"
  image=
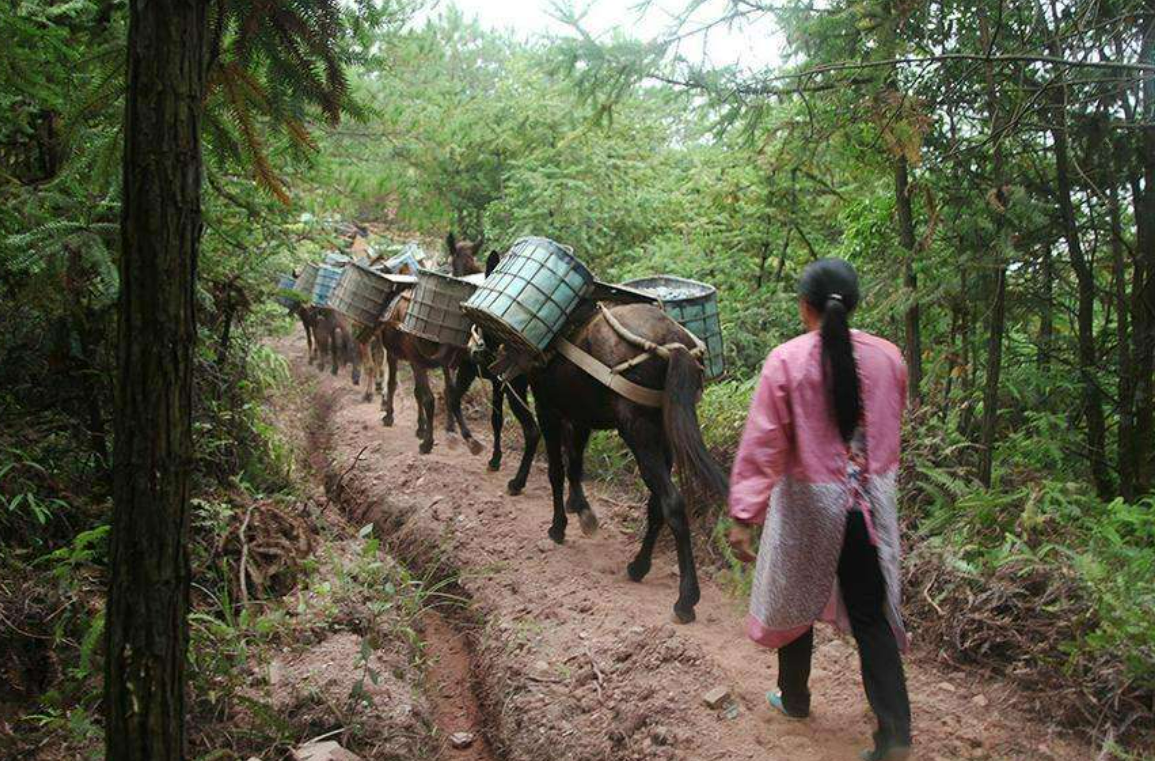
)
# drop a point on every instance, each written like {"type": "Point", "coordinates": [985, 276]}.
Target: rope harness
{"type": "Point", "coordinates": [611, 377]}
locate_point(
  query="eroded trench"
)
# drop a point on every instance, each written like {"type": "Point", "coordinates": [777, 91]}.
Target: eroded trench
{"type": "Point", "coordinates": [450, 683]}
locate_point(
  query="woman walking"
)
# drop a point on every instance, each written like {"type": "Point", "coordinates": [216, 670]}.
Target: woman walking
{"type": "Point", "coordinates": [817, 464]}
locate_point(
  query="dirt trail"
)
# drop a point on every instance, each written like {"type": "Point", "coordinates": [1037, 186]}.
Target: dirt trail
{"type": "Point", "coordinates": [574, 661]}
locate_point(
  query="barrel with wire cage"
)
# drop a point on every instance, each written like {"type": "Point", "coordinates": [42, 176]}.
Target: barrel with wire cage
{"type": "Point", "coordinates": [531, 295]}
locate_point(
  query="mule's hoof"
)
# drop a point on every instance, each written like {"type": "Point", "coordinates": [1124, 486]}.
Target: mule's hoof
{"type": "Point", "coordinates": [475, 447]}
{"type": "Point", "coordinates": [425, 448]}
{"type": "Point", "coordinates": [356, 381]}
{"type": "Point", "coordinates": [637, 571]}
{"type": "Point", "coordinates": [685, 616]}
{"type": "Point", "coordinates": [367, 398]}
{"type": "Point", "coordinates": [515, 487]}
{"type": "Point", "coordinates": [589, 522]}
{"type": "Point", "coordinates": [557, 534]}
{"type": "Point", "coordinates": [494, 465]}
{"type": "Point", "coordinates": [387, 421]}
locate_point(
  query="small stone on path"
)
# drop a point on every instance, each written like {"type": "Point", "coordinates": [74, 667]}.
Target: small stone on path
{"type": "Point", "coordinates": [323, 751]}
{"type": "Point", "coordinates": [716, 697]}
{"type": "Point", "coordinates": [461, 740]}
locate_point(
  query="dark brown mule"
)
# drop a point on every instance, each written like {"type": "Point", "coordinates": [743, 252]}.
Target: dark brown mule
{"type": "Point", "coordinates": [304, 313]}
{"type": "Point", "coordinates": [463, 255]}
{"type": "Point", "coordinates": [334, 341]}
{"type": "Point", "coordinates": [571, 404]}
{"type": "Point", "coordinates": [423, 356]}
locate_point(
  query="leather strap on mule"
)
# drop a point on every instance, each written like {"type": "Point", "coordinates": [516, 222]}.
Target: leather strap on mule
{"type": "Point", "coordinates": [647, 397]}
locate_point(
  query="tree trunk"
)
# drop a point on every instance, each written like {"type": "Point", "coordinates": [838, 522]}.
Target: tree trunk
{"type": "Point", "coordinates": [1085, 278]}
{"type": "Point", "coordinates": [994, 374]}
{"type": "Point", "coordinates": [1126, 387]}
{"type": "Point", "coordinates": [1047, 310]}
{"type": "Point", "coordinates": [146, 627]}
{"type": "Point", "coordinates": [1143, 299]}
{"type": "Point", "coordinates": [910, 281]}
{"type": "Point", "coordinates": [999, 305]}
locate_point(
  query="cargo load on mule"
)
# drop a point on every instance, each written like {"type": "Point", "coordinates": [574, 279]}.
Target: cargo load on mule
{"type": "Point", "coordinates": [435, 312]}
{"type": "Point", "coordinates": [286, 291]}
{"type": "Point", "coordinates": [306, 280]}
{"type": "Point", "coordinates": [530, 296]}
{"type": "Point", "coordinates": [328, 275]}
{"type": "Point", "coordinates": [695, 306]}
{"type": "Point", "coordinates": [364, 293]}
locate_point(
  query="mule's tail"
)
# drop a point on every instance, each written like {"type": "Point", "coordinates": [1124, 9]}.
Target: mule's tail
{"type": "Point", "coordinates": [680, 418]}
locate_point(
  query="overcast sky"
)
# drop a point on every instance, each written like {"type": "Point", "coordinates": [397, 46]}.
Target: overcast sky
{"type": "Point", "coordinates": [750, 45]}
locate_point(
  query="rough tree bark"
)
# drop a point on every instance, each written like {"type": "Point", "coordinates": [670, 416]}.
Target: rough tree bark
{"type": "Point", "coordinates": [1085, 278]}
{"type": "Point", "coordinates": [912, 318]}
{"type": "Point", "coordinates": [146, 628]}
{"type": "Point", "coordinates": [1143, 313]}
{"type": "Point", "coordinates": [998, 313]}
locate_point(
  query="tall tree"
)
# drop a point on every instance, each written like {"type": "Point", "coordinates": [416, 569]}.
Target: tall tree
{"type": "Point", "coordinates": [148, 597]}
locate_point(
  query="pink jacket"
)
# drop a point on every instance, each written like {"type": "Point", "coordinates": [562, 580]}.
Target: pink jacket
{"type": "Point", "coordinates": [790, 473]}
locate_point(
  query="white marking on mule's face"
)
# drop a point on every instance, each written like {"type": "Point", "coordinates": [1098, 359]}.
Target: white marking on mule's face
{"type": "Point", "coordinates": [476, 343]}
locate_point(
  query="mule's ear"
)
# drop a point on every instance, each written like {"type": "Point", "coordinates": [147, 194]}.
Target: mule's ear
{"type": "Point", "coordinates": [451, 242]}
{"type": "Point", "coordinates": [492, 262]}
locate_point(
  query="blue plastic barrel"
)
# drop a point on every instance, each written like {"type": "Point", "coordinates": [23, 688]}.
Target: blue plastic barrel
{"type": "Point", "coordinates": [327, 278]}
{"type": "Point", "coordinates": [528, 299]}
{"type": "Point", "coordinates": [694, 306]}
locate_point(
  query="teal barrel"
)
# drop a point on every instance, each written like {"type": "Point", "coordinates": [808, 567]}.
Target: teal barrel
{"type": "Point", "coordinates": [363, 293]}
{"type": "Point", "coordinates": [694, 306]}
{"type": "Point", "coordinates": [435, 312]}
{"type": "Point", "coordinates": [306, 280]}
{"type": "Point", "coordinates": [327, 278]}
{"type": "Point", "coordinates": [528, 299]}
{"type": "Point", "coordinates": [286, 283]}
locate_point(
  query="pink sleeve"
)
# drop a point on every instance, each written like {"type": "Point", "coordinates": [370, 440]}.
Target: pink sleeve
{"type": "Point", "coordinates": [765, 444]}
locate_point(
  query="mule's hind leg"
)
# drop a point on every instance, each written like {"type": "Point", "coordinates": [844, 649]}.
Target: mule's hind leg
{"type": "Point", "coordinates": [640, 566]}
{"type": "Point", "coordinates": [450, 378]}
{"type": "Point", "coordinates": [377, 357]}
{"type": "Point", "coordinates": [645, 438]}
{"type": "Point", "coordinates": [575, 440]}
{"type": "Point", "coordinates": [496, 423]}
{"type": "Point", "coordinates": [462, 380]}
{"type": "Point", "coordinates": [387, 398]}
{"type": "Point", "coordinates": [365, 351]}
{"type": "Point", "coordinates": [551, 428]}
{"type": "Point", "coordinates": [425, 405]}
{"type": "Point", "coordinates": [529, 432]}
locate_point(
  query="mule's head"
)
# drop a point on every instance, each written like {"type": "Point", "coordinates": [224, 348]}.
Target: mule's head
{"type": "Point", "coordinates": [463, 255]}
{"type": "Point", "coordinates": [482, 345]}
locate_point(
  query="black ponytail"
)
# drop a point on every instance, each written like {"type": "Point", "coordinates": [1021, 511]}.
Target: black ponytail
{"type": "Point", "coordinates": [830, 286]}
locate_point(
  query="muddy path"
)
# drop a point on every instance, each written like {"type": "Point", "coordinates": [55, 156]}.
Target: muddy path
{"type": "Point", "coordinates": [571, 660]}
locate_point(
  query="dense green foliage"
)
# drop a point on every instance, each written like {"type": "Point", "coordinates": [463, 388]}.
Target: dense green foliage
{"type": "Point", "coordinates": [1000, 208]}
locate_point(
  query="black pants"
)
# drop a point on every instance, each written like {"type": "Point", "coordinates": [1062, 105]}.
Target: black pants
{"type": "Point", "coordinates": [864, 592]}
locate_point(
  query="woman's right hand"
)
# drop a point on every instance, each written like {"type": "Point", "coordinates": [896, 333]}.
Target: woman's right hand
{"type": "Point", "coordinates": [741, 539]}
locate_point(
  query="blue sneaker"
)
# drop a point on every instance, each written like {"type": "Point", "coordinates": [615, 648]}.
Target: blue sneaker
{"type": "Point", "coordinates": [774, 698]}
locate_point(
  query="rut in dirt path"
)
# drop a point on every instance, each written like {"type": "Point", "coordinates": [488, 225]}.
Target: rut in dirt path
{"type": "Point", "coordinates": [577, 662]}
